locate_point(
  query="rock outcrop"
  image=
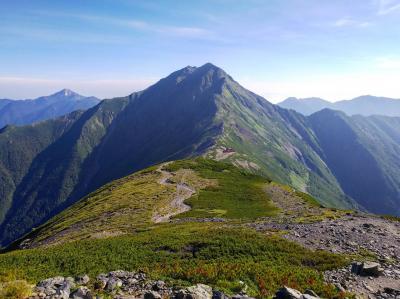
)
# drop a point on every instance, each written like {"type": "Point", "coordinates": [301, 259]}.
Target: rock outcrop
{"type": "Point", "coordinates": [130, 285]}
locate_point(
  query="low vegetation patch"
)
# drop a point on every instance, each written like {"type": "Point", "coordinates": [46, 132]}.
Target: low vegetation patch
{"type": "Point", "coordinates": [236, 195]}
{"type": "Point", "coordinates": [185, 254]}
{"type": "Point", "coordinates": [11, 287]}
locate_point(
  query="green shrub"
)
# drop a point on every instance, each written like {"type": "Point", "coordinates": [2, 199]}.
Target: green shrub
{"type": "Point", "coordinates": [186, 254]}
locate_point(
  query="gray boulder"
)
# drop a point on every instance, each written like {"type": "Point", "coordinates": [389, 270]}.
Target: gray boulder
{"type": "Point", "coordinates": [51, 282]}
{"type": "Point", "coordinates": [82, 280]}
{"type": "Point", "coordinates": [113, 284]}
{"type": "Point", "coordinates": [82, 293]}
{"type": "Point", "coordinates": [57, 287]}
{"type": "Point", "coordinates": [64, 291]}
{"type": "Point", "coordinates": [310, 292]}
{"type": "Point", "coordinates": [288, 293]}
{"type": "Point", "coordinates": [371, 269]}
{"type": "Point", "coordinates": [199, 291]}
{"type": "Point", "coordinates": [366, 269]}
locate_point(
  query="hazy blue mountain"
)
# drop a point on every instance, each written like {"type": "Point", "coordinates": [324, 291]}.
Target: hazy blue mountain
{"type": "Point", "coordinates": [23, 112]}
{"type": "Point", "coordinates": [305, 106]}
{"type": "Point", "coordinates": [4, 102]}
{"type": "Point", "coordinates": [195, 111]}
{"type": "Point", "coordinates": [370, 105]}
{"type": "Point", "coordinates": [364, 105]}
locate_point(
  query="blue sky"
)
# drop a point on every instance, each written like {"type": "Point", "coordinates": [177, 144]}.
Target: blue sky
{"type": "Point", "coordinates": [335, 49]}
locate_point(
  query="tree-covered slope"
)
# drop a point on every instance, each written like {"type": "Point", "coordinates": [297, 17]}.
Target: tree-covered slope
{"type": "Point", "coordinates": [23, 112]}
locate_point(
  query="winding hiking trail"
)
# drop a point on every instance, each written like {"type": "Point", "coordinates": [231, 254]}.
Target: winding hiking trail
{"type": "Point", "coordinates": [177, 205]}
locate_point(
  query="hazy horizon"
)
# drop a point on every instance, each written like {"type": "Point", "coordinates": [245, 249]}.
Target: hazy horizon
{"type": "Point", "coordinates": [51, 92]}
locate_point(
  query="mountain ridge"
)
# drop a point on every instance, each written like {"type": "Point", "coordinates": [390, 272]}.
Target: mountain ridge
{"type": "Point", "coordinates": [192, 112]}
{"type": "Point", "coordinates": [365, 105]}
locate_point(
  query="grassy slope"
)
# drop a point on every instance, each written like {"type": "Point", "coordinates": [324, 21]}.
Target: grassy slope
{"type": "Point", "coordinates": [128, 204]}
{"type": "Point", "coordinates": [118, 207]}
{"type": "Point", "coordinates": [219, 254]}
{"type": "Point", "coordinates": [238, 194]}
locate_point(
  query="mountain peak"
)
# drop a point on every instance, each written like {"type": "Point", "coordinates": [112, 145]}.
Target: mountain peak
{"type": "Point", "coordinates": [209, 67]}
{"type": "Point", "coordinates": [205, 68]}
{"type": "Point", "coordinates": [65, 93]}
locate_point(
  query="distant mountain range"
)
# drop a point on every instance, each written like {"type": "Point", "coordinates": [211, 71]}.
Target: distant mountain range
{"type": "Point", "coordinates": [22, 112]}
{"type": "Point", "coordinates": [345, 162]}
{"type": "Point", "coordinates": [364, 105]}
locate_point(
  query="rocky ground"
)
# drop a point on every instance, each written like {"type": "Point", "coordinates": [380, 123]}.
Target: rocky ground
{"type": "Point", "coordinates": [365, 238]}
{"type": "Point", "coordinates": [129, 285]}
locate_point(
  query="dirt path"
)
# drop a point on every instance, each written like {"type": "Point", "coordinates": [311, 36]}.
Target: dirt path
{"type": "Point", "coordinates": [177, 205]}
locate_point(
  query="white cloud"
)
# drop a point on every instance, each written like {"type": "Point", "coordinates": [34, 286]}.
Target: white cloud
{"type": "Point", "coordinates": [388, 6]}
{"type": "Point", "coordinates": [178, 31]}
{"type": "Point", "coordinates": [348, 22]}
{"type": "Point", "coordinates": [28, 88]}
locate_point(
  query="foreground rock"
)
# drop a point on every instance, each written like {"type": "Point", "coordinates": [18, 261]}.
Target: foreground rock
{"type": "Point", "coordinates": [367, 269]}
{"type": "Point", "coordinates": [129, 285]}
{"type": "Point", "coordinates": [289, 293]}
{"type": "Point", "coordinates": [119, 285]}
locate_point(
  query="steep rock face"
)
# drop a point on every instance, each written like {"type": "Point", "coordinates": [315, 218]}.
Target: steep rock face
{"type": "Point", "coordinates": [24, 112]}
